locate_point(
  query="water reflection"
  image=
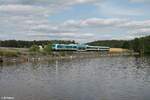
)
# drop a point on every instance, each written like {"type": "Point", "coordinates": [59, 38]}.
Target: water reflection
{"type": "Point", "coordinates": [105, 78]}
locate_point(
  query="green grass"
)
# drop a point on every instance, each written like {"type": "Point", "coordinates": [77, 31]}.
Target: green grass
{"type": "Point", "coordinates": [9, 53]}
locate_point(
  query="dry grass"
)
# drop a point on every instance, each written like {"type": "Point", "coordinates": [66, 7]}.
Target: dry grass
{"type": "Point", "coordinates": [118, 50]}
{"type": "Point", "coordinates": [9, 52]}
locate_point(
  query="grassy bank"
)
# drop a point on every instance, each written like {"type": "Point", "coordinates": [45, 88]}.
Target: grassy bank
{"type": "Point", "coordinates": [9, 53]}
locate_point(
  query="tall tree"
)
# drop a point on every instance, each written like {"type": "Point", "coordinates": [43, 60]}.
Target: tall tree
{"type": "Point", "coordinates": [137, 45]}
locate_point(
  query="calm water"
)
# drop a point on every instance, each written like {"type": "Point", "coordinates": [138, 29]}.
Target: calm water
{"type": "Point", "coordinates": [105, 78]}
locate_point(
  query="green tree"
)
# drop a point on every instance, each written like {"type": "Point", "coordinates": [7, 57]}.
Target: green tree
{"type": "Point", "coordinates": [137, 45]}
{"type": "Point", "coordinates": [146, 46]}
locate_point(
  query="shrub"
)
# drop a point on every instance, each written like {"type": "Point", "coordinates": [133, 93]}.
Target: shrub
{"type": "Point", "coordinates": [34, 48]}
{"type": "Point", "coordinates": [48, 49]}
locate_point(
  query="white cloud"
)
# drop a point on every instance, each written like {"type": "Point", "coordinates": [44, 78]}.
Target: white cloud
{"type": "Point", "coordinates": [110, 22]}
{"type": "Point", "coordinates": [139, 1]}
{"type": "Point", "coordinates": [18, 8]}
{"type": "Point", "coordinates": [142, 31]}
{"type": "Point", "coordinates": [136, 24]}
{"type": "Point", "coordinates": [95, 22]}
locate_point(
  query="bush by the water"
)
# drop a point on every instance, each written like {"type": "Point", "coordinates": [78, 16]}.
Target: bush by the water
{"type": "Point", "coordinates": [34, 48]}
{"type": "Point", "coordinates": [48, 49]}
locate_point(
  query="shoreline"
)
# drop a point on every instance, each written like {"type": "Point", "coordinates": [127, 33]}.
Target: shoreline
{"type": "Point", "coordinates": [33, 58]}
{"type": "Point", "coordinates": [22, 55]}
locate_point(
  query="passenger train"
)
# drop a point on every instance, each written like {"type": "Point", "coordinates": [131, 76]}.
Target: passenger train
{"type": "Point", "coordinates": [78, 47]}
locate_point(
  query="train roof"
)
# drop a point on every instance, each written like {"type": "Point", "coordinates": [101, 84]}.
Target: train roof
{"type": "Point", "coordinates": [82, 45]}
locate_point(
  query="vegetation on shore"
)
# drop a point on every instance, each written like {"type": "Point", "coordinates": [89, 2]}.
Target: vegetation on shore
{"type": "Point", "coordinates": [46, 50]}
{"type": "Point", "coordinates": [140, 45]}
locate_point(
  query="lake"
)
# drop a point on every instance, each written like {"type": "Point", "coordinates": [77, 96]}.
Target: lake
{"type": "Point", "coordinates": [104, 78]}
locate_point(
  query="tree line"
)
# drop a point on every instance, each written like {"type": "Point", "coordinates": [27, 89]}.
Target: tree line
{"type": "Point", "coordinates": [28, 44]}
{"type": "Point", "coordinates": [141, 45]}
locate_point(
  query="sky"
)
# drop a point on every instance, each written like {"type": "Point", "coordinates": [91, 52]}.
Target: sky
{"type": "Point", "coordinates": [79, 20]}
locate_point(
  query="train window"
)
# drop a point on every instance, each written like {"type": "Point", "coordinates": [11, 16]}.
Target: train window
{"type": "Point", "coordinates": [74, 46]}
{"type": "Point", "coordinates": [67, 47]}
{"type": "Point", "coordinates": [59, 46]}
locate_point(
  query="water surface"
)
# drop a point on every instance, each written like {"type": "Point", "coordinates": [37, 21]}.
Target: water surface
{"type": "Point", "coordinates": [105, 78]}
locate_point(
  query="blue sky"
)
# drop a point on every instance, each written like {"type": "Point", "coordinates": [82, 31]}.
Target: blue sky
{"type": "Point", "coordinates": [80, 20]}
